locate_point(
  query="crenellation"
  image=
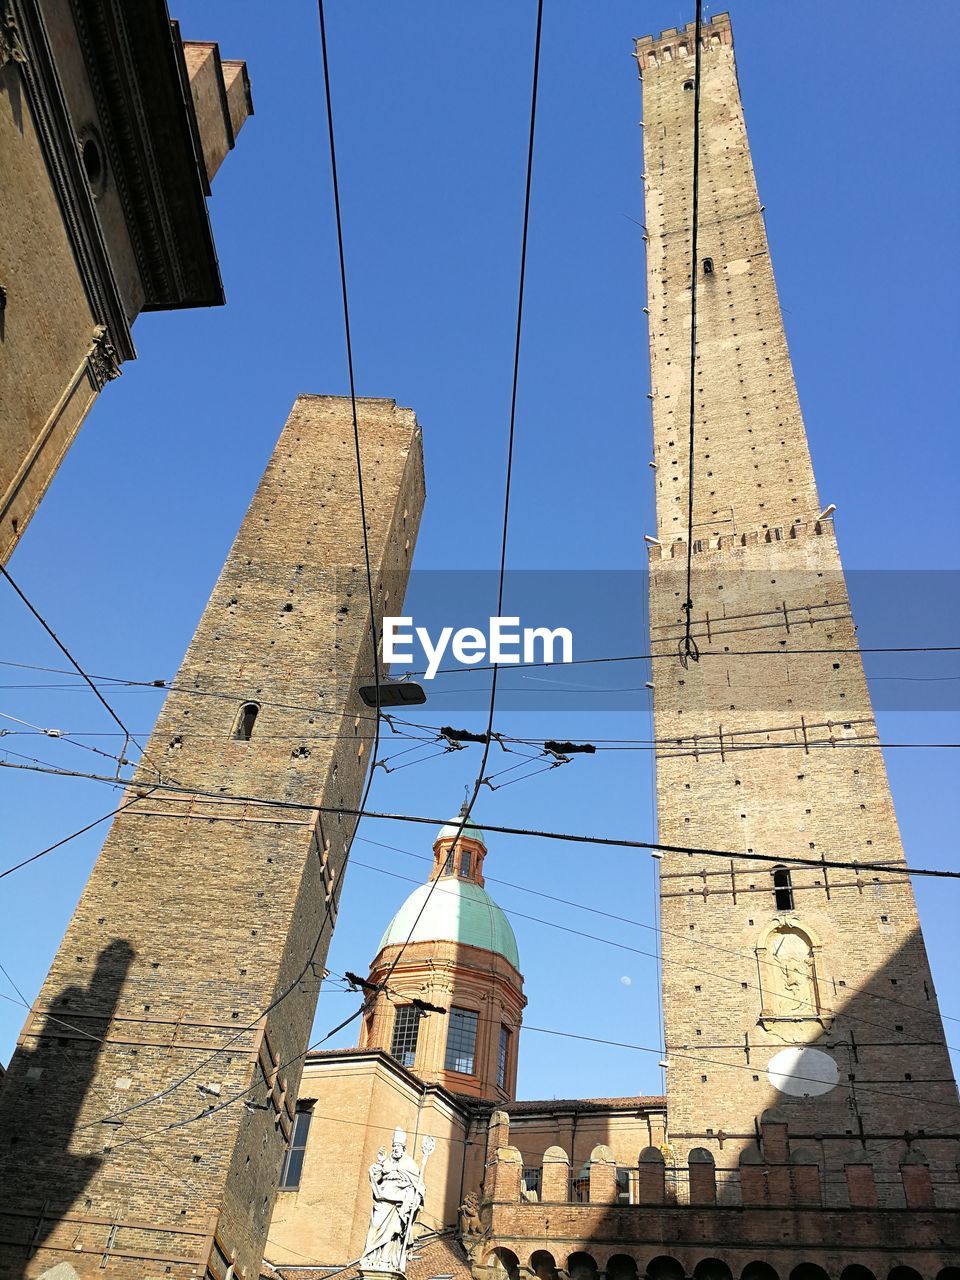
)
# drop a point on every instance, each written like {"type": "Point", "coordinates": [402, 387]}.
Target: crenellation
{"type": "Point", "coordinates": [679, 43]}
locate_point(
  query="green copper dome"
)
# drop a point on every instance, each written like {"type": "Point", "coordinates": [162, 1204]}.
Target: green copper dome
{"type": "Point", "coordinates": [470, 832]}
{"type": "Point", "coordinates": [457, 911]}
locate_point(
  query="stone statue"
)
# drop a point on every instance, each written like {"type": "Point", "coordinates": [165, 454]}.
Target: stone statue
{"type": "Point", "coordinates": [797, 989]}
{"type": "Point", "coordinates": [398, 1190]}
{"type": "Point", "coordinates": [470, 1225]}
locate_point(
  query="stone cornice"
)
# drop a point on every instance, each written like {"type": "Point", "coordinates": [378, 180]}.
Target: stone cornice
{"type": "Point", "coordinates": [463, 1105]}
{"type": "Point", "coordinates": [139, 80]}
{"type": "Point", "coordinates": [26, 36]}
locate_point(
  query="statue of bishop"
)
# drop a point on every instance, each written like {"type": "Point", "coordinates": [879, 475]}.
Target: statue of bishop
{"type": "Point", "coordinates": [398, 1190]}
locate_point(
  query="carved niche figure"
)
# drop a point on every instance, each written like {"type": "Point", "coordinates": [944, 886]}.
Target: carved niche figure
{"type": "Point", "coordinates": [398, 1190]}
{"type": "Point", "coordinates": [470, 1225]}
{"type": "Point", "coordinates": [792, 976]}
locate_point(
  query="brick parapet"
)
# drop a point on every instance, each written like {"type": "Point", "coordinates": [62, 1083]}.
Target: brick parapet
{"type": "Point", "coordinates": [677, 43]}
{"type": "Point", "coordinates": [774, 1210]}
{"type": "Point", "coordinates": [774, 1215]}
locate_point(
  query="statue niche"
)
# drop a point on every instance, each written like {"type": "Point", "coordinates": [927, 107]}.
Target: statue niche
{"type": "Point", "coordinates": [786, 956]}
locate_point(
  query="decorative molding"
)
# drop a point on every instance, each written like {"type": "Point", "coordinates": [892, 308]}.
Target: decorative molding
{"type": "Point", "coordinates": [123, 130]}
{"type": "Point", "coordinates": [100, 364]}
{"type": "Point", "coordinates": [11, 46]}
{"type": "Point", "coordinates": [103, 359]}
{"type": "Point", "coordinates": [58, 143]}
{"type": "Point", "coordinates": [137, 72]}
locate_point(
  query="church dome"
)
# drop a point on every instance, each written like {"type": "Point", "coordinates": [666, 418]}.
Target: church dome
{"type": "Point", "coordinates": [470, 832]}
{"type": "Point", "coordinates": [457, 911]}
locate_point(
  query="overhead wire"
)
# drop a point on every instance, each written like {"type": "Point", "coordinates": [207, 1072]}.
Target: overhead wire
{"type": "Point", "coordinates": [128, 737]}
{"type": "Point", "coordinates": [688, 649]}
{"type": "Point", "coordinates": [42, 853]}
{"type": "Point", "coordinates": [679, 964]}
{"type": "Point", "coordinates": [467, 809]}
{"type": "Point", "coordinates": [820, 651]}
{"type": "Point", "coordinates": [175, 793]}
{"type": "Point", "coordinates": [658, 930]}
{"type": "Point", "coordinates": [681, 1054]}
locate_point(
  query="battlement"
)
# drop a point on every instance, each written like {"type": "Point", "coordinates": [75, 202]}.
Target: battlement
{"type": "Point", "coordinates": [750, 1220]}
{"type": "Point", "coordinates": [799, 531]}
{"type": "Point", "coordinates": [680, 42]}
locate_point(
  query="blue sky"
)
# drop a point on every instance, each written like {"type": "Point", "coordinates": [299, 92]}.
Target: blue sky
{"type": "Point", "coordinates": [851, 126]}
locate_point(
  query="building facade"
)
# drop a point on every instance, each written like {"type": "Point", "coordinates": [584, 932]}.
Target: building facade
{"type": "Point", "coordinates": [111, 131]}
{"type": "Point", "coordinates": [447, 1071]}
{"type": "Point", "coordinates": [187, 980]}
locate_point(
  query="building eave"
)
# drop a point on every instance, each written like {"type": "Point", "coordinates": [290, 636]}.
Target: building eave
{"type": "Point", "coordinates": [139, 78]}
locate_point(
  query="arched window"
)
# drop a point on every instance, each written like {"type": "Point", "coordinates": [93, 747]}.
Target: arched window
{"type": "Point", "coordinates": [708, 266]}
{"type": "Point", "coordinates": [782, 889]}
{"type": "Point", "coordinates": [246, 719]}
{"type": "Point", "coordinates": [688, 86]}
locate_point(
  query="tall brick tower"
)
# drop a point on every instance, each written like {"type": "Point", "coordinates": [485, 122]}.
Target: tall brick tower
{"type": "Point", "coordinates": [798, 993]}
{"type": "Point", "coordinates": [189, 973]}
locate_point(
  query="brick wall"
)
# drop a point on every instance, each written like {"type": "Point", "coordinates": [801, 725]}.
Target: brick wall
{"type": "Point", "coordinates": [777, 1221]}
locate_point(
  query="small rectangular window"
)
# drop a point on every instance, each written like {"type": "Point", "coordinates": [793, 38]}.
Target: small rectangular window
{"type": "Point", "coordinates": [782, 889]}
{"type": "Point", "coordinates": [293, 1160]}
{"type": "Point", "coordinates": [503, 1056]}
{"type": "Point", "coordinates": [406, 1029]}
{"type": "Point", "coordinates": [461, 1041]}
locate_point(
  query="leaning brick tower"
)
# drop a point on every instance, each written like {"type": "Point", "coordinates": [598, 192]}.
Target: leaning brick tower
{"type": "Point", "coordinates": [796, 995]}
{"type": "Point", "coordinates": [146, 1111]}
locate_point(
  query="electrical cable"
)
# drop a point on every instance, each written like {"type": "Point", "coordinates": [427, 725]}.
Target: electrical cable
{"type": "Point", "coordinates": [77, 667]}
{"type": "Point", "coordinates": [658, 929]}
{"type": "Point", "coordinates": [464, 816]}
{"type": "Point", "coordinates": [659, 959]}
{"type": "Point", "coordinates": [688, 650]}
{"type": "Point", "coordinates": [25, 862]}
{"type": "Point", "coordinates": [700, 742]}
{"type": "Point", "coordinates": [679, 1054]}
{"type": "Point", "coordinates": [531, 666]}
{"type": "Point", "coordinates": [623, 842]}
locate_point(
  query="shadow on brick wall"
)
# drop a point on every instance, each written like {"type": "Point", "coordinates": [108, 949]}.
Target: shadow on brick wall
{"type": "Point", "coordinates": [55, 1064]}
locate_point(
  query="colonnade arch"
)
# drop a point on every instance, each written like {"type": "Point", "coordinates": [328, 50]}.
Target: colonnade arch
{"type": "Point", "coordinates": [581, 1264]}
